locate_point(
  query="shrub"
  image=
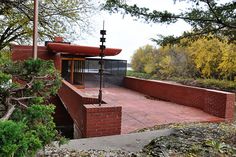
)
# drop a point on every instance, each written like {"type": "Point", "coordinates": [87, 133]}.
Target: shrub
{"type": "Point", "coordinates": [138, 74]}
{"type": "Point", "coordinates": [27, 131]}
{"type": "Point", "coordinates": [17, 140]}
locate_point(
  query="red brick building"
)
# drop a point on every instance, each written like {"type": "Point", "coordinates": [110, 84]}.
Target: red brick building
{"type": "Point", "coordinates": [75, 111]}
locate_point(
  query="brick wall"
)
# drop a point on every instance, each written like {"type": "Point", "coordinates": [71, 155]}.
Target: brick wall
{"type": "Point", "coordinates": [90, 120]}
{"type": "Point", "coordinates": [217, 103]}
{"type": "Point", "coordinates": [102, 120]}
{"type": "Point", "coordinates": [22, 52]}
{"type": "Point", "coordinates": [73, 101]}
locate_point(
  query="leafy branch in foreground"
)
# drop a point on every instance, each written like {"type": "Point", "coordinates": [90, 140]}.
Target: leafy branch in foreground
{"type": "Point", "coordinates": [205, 16]}
{"type": "Point", "coordinates": [26, 116]}
{"type": "Point", "coordinates": [36, 81]}
{"type": "Point", "coordinates": [66, 18]}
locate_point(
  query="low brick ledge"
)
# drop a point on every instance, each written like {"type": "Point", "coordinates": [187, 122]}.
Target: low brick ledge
{"type": "Point", "coordinates": [215, 102]}
{"type": "Point", "coordinates": [90, 119]}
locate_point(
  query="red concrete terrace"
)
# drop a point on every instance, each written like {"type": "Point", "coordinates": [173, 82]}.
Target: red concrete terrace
{"type": "Point", "coordinates": [140, 111]}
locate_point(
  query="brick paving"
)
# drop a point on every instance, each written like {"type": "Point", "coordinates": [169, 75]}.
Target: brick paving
{"type": "Point", "coordinates": [139, 112]}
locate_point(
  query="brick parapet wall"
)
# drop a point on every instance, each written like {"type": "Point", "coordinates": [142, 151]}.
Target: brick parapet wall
{"type": "Point", "coordinates": [102, 120]}
{"type": "Point", "coordinates": [91, 120]}
{"type": "Point", "coordinates": [73, 102]}
{"type": "Point", "coordinates": [217, 103]}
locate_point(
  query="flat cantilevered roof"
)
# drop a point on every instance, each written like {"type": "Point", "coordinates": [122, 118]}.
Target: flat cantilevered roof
{"type": "Point", "coordinates": [90, 51]}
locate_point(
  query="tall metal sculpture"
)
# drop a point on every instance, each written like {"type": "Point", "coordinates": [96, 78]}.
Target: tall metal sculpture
{"type": "Point", "coordinates": [101, 62]}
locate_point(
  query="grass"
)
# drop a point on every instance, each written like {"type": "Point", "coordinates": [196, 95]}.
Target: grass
{"type": "Point", "coordinates": [223, 85]}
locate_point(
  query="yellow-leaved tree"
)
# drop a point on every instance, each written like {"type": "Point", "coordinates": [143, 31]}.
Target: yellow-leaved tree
{"type": "Point", "coordinates": [206, 54]}
{"type": "Point", "coordinates": [227, 66]}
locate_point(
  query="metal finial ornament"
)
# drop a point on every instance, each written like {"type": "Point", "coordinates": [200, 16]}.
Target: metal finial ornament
{"type": "Point", "coordinates": [101, 62]}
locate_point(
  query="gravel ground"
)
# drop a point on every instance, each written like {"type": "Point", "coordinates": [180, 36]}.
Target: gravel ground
{"type": "Point", "coordinates": [51, 151]}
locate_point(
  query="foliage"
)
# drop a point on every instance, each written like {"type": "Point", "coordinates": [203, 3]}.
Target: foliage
{"type": "Point", "coordinates": [5, 57]}
{"type": "Point", "coordinates": [56, 18]}
{"type": "Point", "coordinates": [223, 85]}
{"type": "Point", "coordinates": [228, 62]}
{"type": "Point", "coordinates": [25, 88]}
{"type": "Point", "coordinates": [16, 141]}
{"type": "Point", "coordinates": [196, 140]}
{"type": "Point", "coordinates": [142, 60]}
{"type": "Point", "coordinates": [207, 55]}
{"type": "Point", "coordinates": [138, 74]}
{"type": "Point", "coordinates": [29, 131]}
{"type": "Point", "coordinates": [34, 80]}
{"type": "Point", "coordinates": [205, 16]}
{"type": "Point", "coordinates": [202, 58]}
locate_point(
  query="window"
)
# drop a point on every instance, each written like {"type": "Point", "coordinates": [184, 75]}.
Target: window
{"type": "Point", "coordinates": [73, 70]}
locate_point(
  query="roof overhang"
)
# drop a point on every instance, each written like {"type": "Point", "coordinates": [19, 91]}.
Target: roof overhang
{"type": "Point", "coordinates": [87, 51]}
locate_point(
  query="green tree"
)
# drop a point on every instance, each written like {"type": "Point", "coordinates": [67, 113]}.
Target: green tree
{"type": "Point", "coordinates": [66, 18]}
{"type": "Point", "coordinates": [34, 81]}
{"type": "Point", "coordinates": [205, 16]}
{"type": "Point", "coordinates": [26, 121]}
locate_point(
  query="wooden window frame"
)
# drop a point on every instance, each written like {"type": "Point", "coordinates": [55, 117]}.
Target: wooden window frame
{"type": "Point", "coordinates": [72, 70]}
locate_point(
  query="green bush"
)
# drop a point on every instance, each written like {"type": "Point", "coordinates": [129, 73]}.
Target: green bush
{"type": "Point", "coordinates": [224, 85]}
{"type": "Point", "coordinates": [138, 74]}
{"type": "Point", "coordinates": [31, 125]}
{"type": "Point", "coordinates": [27, 132]}
{"type": "Point", "coordinates": [17, 140]}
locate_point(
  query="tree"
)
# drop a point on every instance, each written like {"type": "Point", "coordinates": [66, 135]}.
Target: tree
{"type": "Point", "coordinates": [177, 62]}
{"type": "Point", "coordinates": [202, 58]}
{"type": "Point", "coordinates": [56, 18]}
{"type": "Point", "coordinates": [207, 55]}
{"type": "Point", "coordinates": [34, 82]}
{"type": "Point", "coordinates": [205, 16]}
{"type": "Point", "coordinates": [227, 65]}
{"type": "Point", "coordinates": [26, 121]}
{"type": "Point", "coordinates": [142, 59]}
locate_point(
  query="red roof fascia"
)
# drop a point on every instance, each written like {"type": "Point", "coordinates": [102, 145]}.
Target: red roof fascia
{"type": "Point", "coordinates": [81, 50]}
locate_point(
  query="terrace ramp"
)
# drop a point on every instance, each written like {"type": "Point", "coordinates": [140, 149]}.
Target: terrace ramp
{"type": "Point", "coordinates": [140, 111]}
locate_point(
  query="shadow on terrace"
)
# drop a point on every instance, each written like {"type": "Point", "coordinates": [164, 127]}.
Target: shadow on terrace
{"type": "Point", "coordinates": [129, 103]}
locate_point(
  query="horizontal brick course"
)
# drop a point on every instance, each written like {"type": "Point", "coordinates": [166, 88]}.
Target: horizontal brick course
{"type": "Point", "coordinates": [217, 103]}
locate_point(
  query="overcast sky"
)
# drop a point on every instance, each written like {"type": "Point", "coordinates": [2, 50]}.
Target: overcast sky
{"type": "Point", "coordinates": [128, 34]}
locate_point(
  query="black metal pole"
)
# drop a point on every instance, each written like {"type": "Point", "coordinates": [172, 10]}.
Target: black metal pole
{"type": "Point", "coordinates": [101, 62]}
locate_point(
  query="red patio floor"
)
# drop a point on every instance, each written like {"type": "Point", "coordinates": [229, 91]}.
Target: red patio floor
{"type": "Point", "coordinates": [140, 112]}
